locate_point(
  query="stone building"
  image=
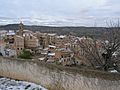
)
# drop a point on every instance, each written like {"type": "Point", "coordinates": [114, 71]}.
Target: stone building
{"type": "Point", "coordinates": [14, 42]}
{"type": "Point", "coordinates": [10, 39]}
{"type": "Point", "coordinates": [51, 38]}
{"type": "Point", "coordinates": [43, 39]}
{"type": "Point", "coordinates": [19, 44]}
{"type": "Point", "coordinates": [30, 41]}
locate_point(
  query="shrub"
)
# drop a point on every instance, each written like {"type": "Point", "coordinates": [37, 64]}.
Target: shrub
{"type": "Point", "coordinates": [25, 54]}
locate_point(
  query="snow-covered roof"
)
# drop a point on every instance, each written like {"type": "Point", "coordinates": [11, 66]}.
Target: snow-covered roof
{"type": "Point", "coordinates": [45, 49]}
{"type": "Point", "coordinates": [29, 34]}
{"type": "Point", "coordinates": [3, 31]}
{"type": "Point", "coordinates": [42, 58]}
{"type": "Point", "coordinates": [51, 54]}
{"type": "Point", "coordinates": [61, 36]}
{"type": "Point", "coordinates": [113, 71]}
{"type": "Point", "coordinates": [51, 34]}
{"type": "Point", "coordinates": [52, 46]}
{"type": "Point", "coordinates": [10, 33]}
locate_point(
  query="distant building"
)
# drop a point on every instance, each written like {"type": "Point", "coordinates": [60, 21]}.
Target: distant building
{"type": "Point", "coordinates": [51, 38]}
{"type": "Point", "coordinates": [10, 53]}
{"type": "Point", "coordinates": [10, 39]}
{"type": "Point", "coordinates": [63, 53]}
{"type": "Point", "coordinates": [30, 41]}
{"type": "Point", "coordinates": [43, 39]}
{"type": "Point", "coordinates": [3, 34]}
{"type": "Point", "coordinates": [19, 44]}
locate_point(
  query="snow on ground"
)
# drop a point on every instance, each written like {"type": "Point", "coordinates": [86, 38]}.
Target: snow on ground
{"type": "Point", "coordinates": [113, 71]}
{"type": "Point", "coordinates": [9, 84]}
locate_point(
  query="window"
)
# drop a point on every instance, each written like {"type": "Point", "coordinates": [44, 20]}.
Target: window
{"type": "Point", "coordinates": [21, 48]}
{"type": "Point", "coordinates": [17, 48]}
{"type": "Point", "coordinates": [30, 37]}
{"type": "Point", "coordinates": [49, 51]}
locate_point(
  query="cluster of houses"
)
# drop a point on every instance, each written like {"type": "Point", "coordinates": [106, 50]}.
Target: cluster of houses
{"type": "Point", "coordinates": [50, 46]}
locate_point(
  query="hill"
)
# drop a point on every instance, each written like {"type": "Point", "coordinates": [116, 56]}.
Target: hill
{"type": "Point", "coordinates": [78, 31]}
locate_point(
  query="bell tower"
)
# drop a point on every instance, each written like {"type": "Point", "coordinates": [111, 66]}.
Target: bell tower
{"type": "Point", "coordinates": [21, 28]}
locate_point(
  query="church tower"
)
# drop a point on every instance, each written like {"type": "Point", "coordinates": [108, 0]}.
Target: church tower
{"type": "Point", "coordinates": [21, 28]}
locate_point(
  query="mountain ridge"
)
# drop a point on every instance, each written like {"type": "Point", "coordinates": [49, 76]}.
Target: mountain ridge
{"type": "Point", "coordinates": [78, 31]}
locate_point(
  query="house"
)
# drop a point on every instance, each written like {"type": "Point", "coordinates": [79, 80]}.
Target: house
{"type": "Point", "coordinates": [6, 52]}
{"type": "Point", "coordinates": [10, 53]}
{"type": "Point", "coordinates": [43, 39]}
{"type": "Point", "coordinates": [10, 39]}
{"type": "Point", "coordinates": [51, 38]}
{"type": "Point", "coordinates": [63, 53]}
{"type": "Point", "coordinates": [15, 43]}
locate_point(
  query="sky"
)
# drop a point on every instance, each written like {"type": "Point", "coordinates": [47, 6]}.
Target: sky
{"type": "Point", "coordinates": [59, 12]}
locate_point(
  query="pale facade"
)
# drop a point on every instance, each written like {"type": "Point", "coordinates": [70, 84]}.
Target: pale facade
{"type": "Point", "coordinates": [51, 38]}
{"type": "Point", "coordinates": [10, 40]}
{"type": "Point", "coordinates": [43, 39]}
{"type": "Point", "coordinates": [19, 44]}
{"type": "Point", "coordinates": [30, 41]}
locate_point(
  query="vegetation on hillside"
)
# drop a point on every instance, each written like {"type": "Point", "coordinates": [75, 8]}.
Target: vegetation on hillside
{"type": "Point", "coordinates": [106, 54]}
{"type": "Point", "coordinates": [25, 54]}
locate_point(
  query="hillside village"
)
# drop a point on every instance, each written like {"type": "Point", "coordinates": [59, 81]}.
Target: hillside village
{"type": "Point", "coordinates": [66, 50]}
{"type": "Point", "coordinates": [48, 46]}
{"type": "Point", "coordinates": [63, 52]}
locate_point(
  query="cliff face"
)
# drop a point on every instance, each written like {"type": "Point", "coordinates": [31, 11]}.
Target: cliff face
{"type": "Point", "coordinates": [48, 77]}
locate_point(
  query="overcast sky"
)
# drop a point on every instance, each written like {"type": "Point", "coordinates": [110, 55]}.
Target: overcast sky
{"type": "Point", "coordinates": [59, 12]}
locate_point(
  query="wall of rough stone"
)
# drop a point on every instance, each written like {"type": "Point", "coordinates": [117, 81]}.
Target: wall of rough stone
{"type": "Point", "coordinates": [45, 76]}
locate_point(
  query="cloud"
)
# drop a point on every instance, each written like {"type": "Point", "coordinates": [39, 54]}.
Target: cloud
{"type": "Point", "coordinates": [59, 12]}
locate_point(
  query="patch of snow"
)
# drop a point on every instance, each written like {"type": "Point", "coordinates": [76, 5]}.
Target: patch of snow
{"type": "Point", "coordinates": [61, 36]}
{"type": "Point", "coordinates": [113, 71]}
{"type": "Point", "coordinates": [51, 54]}
{"type": "Point", "coordinates": [8, 84]}
{"type": "Point", "coordinates": [41, 59]}
{"type": "Point", "coordinates": [11, 33]}
{"type": "Point", "coordinates": [51, 34]}
{"type": "Point", "coordinates": [51, 46]}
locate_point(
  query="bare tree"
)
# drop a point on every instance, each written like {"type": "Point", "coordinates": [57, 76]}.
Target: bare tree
{"type": "Point", "coordinates": [104, 53]}
{"type": "Point", "coordinates": [111, 45]}
{"type": "Point", "coordinates": [90, 51]}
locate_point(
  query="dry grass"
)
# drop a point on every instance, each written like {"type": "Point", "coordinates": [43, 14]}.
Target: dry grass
{"type": "Point", "coordinates": [75, 70]}
{"type": "Point", "coordinates": [55, 87]}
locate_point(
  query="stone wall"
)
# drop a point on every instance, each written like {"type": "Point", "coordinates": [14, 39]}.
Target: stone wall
{"type": "Point", "coordinates": [51, 76]}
